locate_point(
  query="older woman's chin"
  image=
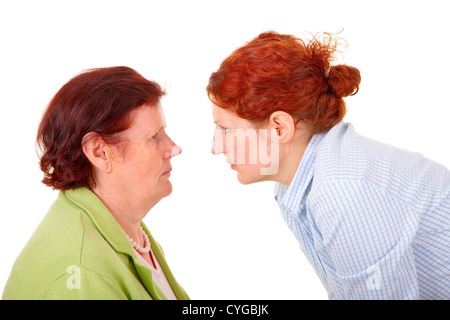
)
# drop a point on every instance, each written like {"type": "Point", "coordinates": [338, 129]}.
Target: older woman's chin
{"type": "Point", "coordinates": [153, 197]}
{"type": "Point", "coordinates": [167, 188]}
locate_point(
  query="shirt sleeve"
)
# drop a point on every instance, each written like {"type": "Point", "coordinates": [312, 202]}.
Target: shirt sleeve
{"type": "Point", "coordinates": [366, 235]}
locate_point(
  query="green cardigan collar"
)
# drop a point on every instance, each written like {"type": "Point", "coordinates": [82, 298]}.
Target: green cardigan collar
{"type": "Point", "coordinates": [116, 237]}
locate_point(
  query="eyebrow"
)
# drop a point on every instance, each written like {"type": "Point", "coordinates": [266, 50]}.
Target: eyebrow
{"type": "Point", "coordinates": [219, 124]}
{"type": "Point", "coordinates": [151, 134]}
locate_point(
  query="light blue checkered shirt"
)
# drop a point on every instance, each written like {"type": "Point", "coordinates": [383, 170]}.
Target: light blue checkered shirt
{"type": "Point", "coordinates": [373, 220]}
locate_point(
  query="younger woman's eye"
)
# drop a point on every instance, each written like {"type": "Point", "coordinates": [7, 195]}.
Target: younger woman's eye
{"type": "Point", "coordinates": [223, 129]}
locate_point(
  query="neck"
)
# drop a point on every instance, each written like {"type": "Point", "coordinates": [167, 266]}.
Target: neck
{"type": "Point", "coordinates": [127, 215]}
{"type": "Point", "coordinates": [290, 157]}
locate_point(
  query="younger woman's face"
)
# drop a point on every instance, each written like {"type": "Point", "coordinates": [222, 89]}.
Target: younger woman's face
{"type": "Point", "coordinates": [250, 149]}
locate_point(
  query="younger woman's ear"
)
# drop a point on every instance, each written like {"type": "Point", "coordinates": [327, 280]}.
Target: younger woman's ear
{"type": "Point", "coordinates": [284, 124]}
{"type": "Point", "coordinates": [97, 151]}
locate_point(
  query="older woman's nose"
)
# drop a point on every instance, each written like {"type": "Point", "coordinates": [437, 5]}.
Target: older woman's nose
{"type": "Point", "coordinates": [176, 150]}
{"type": "Point", "coordinates": [171, 149]}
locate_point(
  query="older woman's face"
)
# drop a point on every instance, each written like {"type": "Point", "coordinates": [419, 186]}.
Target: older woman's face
{"type": "Point", "coordinates": [142, 169]}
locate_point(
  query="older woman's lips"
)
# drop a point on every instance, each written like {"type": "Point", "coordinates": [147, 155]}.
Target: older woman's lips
{"type": "Point", "coordinates": [167, 173]}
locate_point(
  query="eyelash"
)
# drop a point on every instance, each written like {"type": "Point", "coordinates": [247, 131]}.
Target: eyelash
{"type": "Point", "coordinates": [155, 136]}
{"type": "Point", "coordinates": [223, 129]}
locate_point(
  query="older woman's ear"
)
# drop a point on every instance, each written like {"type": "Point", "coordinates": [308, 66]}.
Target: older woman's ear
{"type": "Point", "coordinates": [97, 152]}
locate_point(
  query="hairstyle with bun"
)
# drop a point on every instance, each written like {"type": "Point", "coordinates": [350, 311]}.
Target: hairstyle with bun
{"type": "Point", "coordinates": [278, 72]}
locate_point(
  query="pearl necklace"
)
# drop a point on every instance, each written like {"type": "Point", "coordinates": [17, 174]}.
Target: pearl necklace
{"type": "Point", "coordinates": [141, 250]}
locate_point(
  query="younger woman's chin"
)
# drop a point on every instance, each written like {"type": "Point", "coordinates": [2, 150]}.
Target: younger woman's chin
{"type": "Point", "coordinates": [247, 180]}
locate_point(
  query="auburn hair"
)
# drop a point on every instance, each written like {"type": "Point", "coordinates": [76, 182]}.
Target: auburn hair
{"type": "Point", "coordinates": [97, 100]}
{"type": "Point", "coordinates": [279, 72]}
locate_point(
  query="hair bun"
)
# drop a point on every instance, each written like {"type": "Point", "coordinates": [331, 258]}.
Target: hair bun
{"type": "Point", "coordinates": [344, 80]}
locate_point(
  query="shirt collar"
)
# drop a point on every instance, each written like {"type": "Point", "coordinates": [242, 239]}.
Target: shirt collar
{"type": "Point", "coordinates": [290, 196]}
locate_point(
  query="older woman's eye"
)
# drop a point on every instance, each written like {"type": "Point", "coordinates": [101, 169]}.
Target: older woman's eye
{"type": "Point", "coordinates": [155, 137]}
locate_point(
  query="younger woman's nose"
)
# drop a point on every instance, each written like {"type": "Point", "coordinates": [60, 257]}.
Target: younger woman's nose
{"type": "Point", "coordinates": [213, 147]}
{"type": "Point", "coordinates": [218, 143]}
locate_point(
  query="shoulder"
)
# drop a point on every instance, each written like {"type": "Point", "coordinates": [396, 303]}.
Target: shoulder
{"type": "Point", "coordinates": [55, 245]}
{"type": "Point", "coordinates": [346, 155]}
{"type": "Point", "coordinates": [65, 241]}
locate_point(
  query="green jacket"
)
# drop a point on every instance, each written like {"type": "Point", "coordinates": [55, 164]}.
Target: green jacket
{"type": "Point", "coordinates": [79, 251]}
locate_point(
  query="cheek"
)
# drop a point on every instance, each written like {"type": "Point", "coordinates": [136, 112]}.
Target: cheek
{"type": "Point", "coordinates": [258, 156]}
{"type": "Point", "coordinates": [241, 150]}
{"type": "Point", "coordinates": [142, 166]}
{"type": "Point", "coordinates": [247, 151]}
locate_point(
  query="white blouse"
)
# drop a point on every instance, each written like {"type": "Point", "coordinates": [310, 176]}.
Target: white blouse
{"type": "Point", "coordinates": [158, 276]}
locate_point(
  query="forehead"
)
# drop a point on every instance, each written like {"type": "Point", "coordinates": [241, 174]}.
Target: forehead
{"type": "Point", "coordinates": [230, 119]}
{"type": "Point", "coordinates": [147, 119]}
{"type": "Point", "coordinates": [220, 114]}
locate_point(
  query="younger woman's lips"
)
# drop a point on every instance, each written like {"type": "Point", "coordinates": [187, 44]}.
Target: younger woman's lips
{"type": "Point", "coordinates": [233, 167]}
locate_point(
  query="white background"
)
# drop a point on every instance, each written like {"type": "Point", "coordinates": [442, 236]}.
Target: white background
{"type": "Point", "coordinates": [221, 239]}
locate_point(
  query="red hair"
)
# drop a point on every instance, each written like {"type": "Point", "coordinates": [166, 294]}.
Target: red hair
{"type": "Point", "coordinates": [98, 100]}
{"type": "Point", "coordinates": [276, 72]}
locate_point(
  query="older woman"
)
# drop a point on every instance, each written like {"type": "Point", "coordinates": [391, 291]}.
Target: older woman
{"type": "Point", "coordinates": [105, 148]}
{"type": "Point", "coordinates": [373, 220]}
